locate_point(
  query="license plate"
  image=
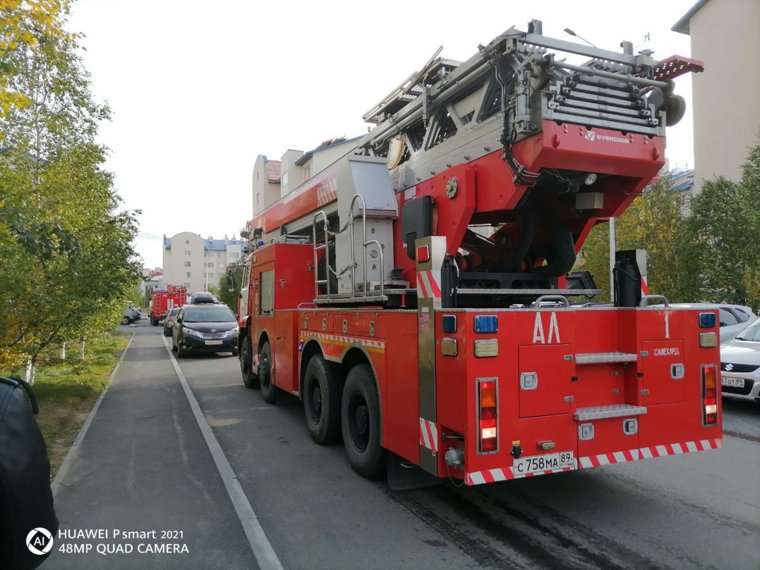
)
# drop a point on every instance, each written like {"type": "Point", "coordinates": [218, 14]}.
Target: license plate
{"type": "Point", "coordinates": [213, 342]}
{"type": "Point", "coordinates": [731, 381]}
{"type": "Point", "coordinates": [540, 463]}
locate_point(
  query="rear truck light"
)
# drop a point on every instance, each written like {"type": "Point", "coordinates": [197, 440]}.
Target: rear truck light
{"type": "Point", "coordinates": [487, 347]}
{"type": "Point", "coordinates": [708, 339]}
{"type": "Point", "coordinates": [709, 395]}
{"type": "Point", "coordinates": [707, 320]}
{"type": "Point", "coordinates": [488, 436]}
{"type": "Point", "coordinates": [486, 324]}
{"type": "Point", "coordinates": [449, 323]}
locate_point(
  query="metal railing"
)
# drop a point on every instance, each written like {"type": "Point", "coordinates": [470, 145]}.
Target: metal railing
{"type": "Point", "coordinates": [322, 216]}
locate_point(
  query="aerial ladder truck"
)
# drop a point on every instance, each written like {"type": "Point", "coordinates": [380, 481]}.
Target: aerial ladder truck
{"type": "Point", "coordinates": [417, 293]}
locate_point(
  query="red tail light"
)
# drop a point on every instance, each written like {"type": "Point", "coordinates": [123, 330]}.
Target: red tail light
{"type": "Point", "coordinates": [709, 395]}
{"type": "Point", "coordinates": [488, 436]}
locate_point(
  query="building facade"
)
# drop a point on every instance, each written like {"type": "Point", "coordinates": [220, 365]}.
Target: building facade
{"type": "Point", "coordinates": [724, 35]}
{"type": "Point", "coordinates": [198, 263]}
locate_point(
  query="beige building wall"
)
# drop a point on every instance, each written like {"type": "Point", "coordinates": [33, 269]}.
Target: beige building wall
{"type": "Point", "coordinates": [725, 34]}
{"type": "Point", "coordinates": [196, 263]}
{"type": "Point", "coordinates": [266, 183]}
{"type": "Point", "coordinates": [184, 261]}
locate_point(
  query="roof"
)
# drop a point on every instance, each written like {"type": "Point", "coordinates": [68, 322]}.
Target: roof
{"type": "Point", "coordinates": [683, 25]}
{"type": "Point", "coordinates": [329, 143]}
{"type": "Point", "coordinates": [220, 244]}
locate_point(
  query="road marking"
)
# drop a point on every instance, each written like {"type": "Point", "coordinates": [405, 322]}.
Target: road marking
{"type": "Point", "coordinates": [74, 449]}
{"type": "Point", "coordinates": [257, 538]}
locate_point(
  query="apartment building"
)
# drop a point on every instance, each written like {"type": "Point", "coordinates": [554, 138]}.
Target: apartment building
{"type": "Point", "coordinates": [198, 263]}
{"type": "Point", "coordinates": [724, 35]}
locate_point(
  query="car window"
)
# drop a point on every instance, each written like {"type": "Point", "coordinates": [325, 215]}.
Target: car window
{"type": "Point", "coordinates": [174, 312]}
{"type": "Point", "coordinates": [726, 317]}
{"type": "Point", "coordinates": [751, 333]}
{"type": "Point", "coordinates": [741, 314]}
{"type": "Point", "coordinates": [208, 314]}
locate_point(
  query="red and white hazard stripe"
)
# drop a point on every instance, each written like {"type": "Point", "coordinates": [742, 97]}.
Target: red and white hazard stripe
{"type": "Point", "coordinates": [644, 289]}
{"type": "Point", "coordinates": [429, 435]}
{"type": "Point", "coordinates": [505, 473]}
{"type": "Point", "coordinates": [428, 284]}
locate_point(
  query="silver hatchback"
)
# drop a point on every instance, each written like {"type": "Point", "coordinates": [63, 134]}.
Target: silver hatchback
{"type": "Point", "coordinates": [740, 364]}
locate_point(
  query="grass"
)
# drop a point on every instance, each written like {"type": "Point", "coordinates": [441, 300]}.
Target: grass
{"type": "Point", "coordinates": [67, 390]}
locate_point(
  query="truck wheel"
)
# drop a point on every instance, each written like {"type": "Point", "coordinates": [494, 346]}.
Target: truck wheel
{"type": "Point", "coordinates": [249, 378]}
{"type": "Point", "coordinates": [321, 400]}
{"type": "Point", "coordinates": [265, 374]}
{"type": "Point", "coordinates": [360, 422]}
{"type": "Point", "coordinates": [154, 321]}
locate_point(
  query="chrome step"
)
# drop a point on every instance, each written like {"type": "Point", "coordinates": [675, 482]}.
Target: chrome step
{"type": "Point", "coordinates": [606, 412]}
{"type": "Point", "coordinates": [601, 357]}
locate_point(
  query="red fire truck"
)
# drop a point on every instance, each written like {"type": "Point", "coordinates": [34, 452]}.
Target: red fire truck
{"type": "Point", "coordinates": [417, 293]}
{"type": "Point", "coordinates": [165, 299]}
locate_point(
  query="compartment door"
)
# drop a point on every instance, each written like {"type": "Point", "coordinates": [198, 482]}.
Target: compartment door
{"type": "Point", "coordinates": [544, 380]}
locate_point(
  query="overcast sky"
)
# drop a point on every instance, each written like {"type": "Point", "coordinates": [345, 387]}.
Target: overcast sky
{"type": "Point", "coordinates": [198, 89]}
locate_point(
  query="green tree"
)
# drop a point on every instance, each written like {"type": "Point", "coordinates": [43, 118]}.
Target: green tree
{"type": "Point", "coordinates": [66, 247]}
{"type": "Point", "coordinates": [724, 237]}
{"type": "Point", "coordinates": [22, 24]}
{"type": "Point", "coordinates": [654, 222]}
{"type": "Point", "coordinates": [229, 285]}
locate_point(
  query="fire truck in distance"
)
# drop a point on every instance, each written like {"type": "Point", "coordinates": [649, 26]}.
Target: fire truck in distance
{"type": "Point", "coordinates": [165, 299]}
{"type": "Point", "coordinates": [415, 293]}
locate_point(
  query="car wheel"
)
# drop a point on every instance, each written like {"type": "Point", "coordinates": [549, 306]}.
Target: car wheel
{"type": "Point", "coordinates": [321, 400]}
{"type": "Point", "coordinates": [180, 352]}
{"type": "Point", "coordinates": [360, 422]}
{"type": "Point", "coordinates": [250, 379]}
{"type": "Point", "coordinates": [265, 374]}
{"type": "Point", "coordinates": [125, 320]}
{"type": "Point", "coordinates": [167, 332]}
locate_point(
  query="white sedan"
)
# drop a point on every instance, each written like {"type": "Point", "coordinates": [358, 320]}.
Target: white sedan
{"type": "Point", "coordinates": [740, 364]}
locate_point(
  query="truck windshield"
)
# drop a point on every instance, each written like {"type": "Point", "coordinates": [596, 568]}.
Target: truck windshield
{"type": "Point", "coordinates": [215, 314]}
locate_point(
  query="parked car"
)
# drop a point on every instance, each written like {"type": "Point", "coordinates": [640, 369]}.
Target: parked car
{"type": "Point", "coordinates": [171, 316]}
{"type": "Point", "coordinates": [130, 314]}
{"type": "Point", "coordinates": [205, 328]}
{"type": "Point", "coordinates": [732, 318]}
{"type": "Point", "coordinates": [740, 364]}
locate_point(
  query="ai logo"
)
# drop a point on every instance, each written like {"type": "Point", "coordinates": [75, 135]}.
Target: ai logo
{"type": "Point", "coordinates": [39, 541]}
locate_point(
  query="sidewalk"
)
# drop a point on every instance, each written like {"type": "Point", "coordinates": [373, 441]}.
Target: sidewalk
{"type": "Point", "coordinates": [143, 467]}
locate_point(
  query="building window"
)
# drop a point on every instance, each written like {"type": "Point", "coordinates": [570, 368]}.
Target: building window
{"type": "Point", "coordinates": [188, 253]}
{"type": "Point", "coordinates": [188, 263]}
{"type": "Point", "coordinates": [209, 264]}
{"type": "Point", "coordinates": [187, 275]}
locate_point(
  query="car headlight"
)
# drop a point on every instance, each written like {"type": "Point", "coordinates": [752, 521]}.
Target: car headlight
{"type": "Point", "coordinates": [232, 332]}
{"type": "Point", "coordinates": [190, 332]}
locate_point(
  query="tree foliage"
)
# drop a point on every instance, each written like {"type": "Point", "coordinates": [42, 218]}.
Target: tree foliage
{"type": "Point", "coordinates": [653, 222]}
{"type": "Point", "coordinates": [708, 251]}
{"type": "Point", "coordinates": [229, 285]}
{"type": "Point", "coordinates": [65, 246]}
{"type": "Point", "coordinates": [23, 24]}
{"type": "Point", "coordinates": [724, 228]}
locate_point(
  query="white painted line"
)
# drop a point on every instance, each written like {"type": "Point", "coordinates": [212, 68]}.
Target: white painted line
{"type": "Point", "coordinates": [74, 449]}
{"type": "Point", "coordinates": [257, 538]}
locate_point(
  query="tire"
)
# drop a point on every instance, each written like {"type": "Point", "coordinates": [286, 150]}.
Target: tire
{"type": "Point", "coordinates": [180, 352]}
{"type": "Point", "coordinates": [125, 320]}
{"type": "Point", "coordinates": [321, 400]}
{"type": "Point", "coordinates": [154, 321]}
{"type": "Point", "coordinates": [250, 379]}
{"type": "Point", "coordinates": [360, 422]}
{"type": "Point", "coordinates": [167, 332]}
{"type": "Point", "coordinates": [268, 389]}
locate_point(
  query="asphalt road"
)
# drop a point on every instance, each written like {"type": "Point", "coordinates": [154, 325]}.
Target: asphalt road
{"type": "Point", "coordinates": [699, 510]}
